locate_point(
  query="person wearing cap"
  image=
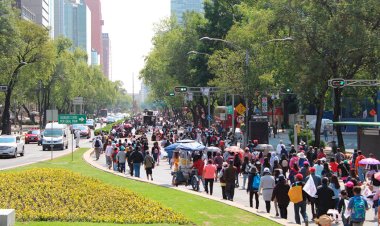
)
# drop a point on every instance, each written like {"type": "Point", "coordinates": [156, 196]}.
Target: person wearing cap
{"type": "Point", "coordinates": [317, 182]}
{"type": "Point", "coordinates": [300, 207]}
{"type": "Point", "coordinates": [360, 168]}
{"type": "Point", "coordinates": [349, 188]}
{"type": "Point", "coordinates": [229, 176]}
{"type": "Point", "coordinates": [280, 193]}
{"type": "Point", "coordinates": [121, 159]}
{"type": "Point", "coordinates": [267, 184]}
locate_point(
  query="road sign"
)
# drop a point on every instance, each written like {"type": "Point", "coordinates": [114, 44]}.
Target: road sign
{"type": "Point", "coordinates": [209, 117]}
{"type": "Point", "coordinates": [222, 116]}
{"type": "Point", "coordinates": [240, 119]}
{"type": "Point", "coordinates": [264, 104]}
{"type": "Point", "coordinates": [240, 109]}
{"type": "Point", "coordinates": [3, 88]}
{"type": "Point", "coordinates": [72, 119]}
{"type": "Point", "coordinates": [52, 115]}
{"type": "Point", "coordinates": [230, 110]}
{"type": "Point", "coordinates": [78, 100]}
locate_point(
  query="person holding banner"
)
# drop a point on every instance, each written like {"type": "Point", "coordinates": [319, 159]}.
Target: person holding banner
{"type": "Point", "coordinates": [317, 181]}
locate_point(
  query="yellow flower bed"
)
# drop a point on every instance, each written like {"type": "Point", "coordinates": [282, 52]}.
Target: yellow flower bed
{"type": "Point", "coordinates": [61, 195]}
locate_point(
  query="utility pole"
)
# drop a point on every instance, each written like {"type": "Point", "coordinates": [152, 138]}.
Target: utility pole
{"type": "Point", "coordinates": [133, 94]}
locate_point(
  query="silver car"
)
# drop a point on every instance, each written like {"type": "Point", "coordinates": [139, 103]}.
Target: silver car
{"type": "Point", "coordinates": [11, 145]}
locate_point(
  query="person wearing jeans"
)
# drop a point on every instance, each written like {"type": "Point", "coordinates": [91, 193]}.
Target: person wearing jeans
{"type": "Point", "coordinates": [209, 174]}
{"type": "Point", "coordinates": [300, 207]}
{"type": "Point", "coordinates": [250, 189]}
{"type": "Point", "coordinates": [137, 158]}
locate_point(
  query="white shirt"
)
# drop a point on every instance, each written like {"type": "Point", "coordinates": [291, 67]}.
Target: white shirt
{"type": "Point", "coordinates": [278, 148]}
{"type": "Point", "coordinates": [109, 150]}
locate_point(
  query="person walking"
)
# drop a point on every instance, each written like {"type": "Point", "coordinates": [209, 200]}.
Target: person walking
{"type": "Point", "coordinates": [222, 181]}
{"type": "Point", "coordinates": [300, 207]}
{"type": "Point", "coordinates": [149, 165]}
{"type": "Point", "coordinates": [280, 193]}
{"type": "Point", "coordinates": [108, 153]}
{"type": "Point", "coordinates": [229, 178]}
{"type": "Point", "coordinates": [358, 206]}
{"type": "Point", "coordinates": [209, 174]}
{"type": "Point", "coordinates": [137, 158]}
{"type": "Point", "coordinates": [245, 171]}
{"type": "Point", "coordinates": [360, 168]}
{"type": "Point", "coordinates": [77, 137]}
{"type": "Point", "coordinates": [97, 147]}
{"type": "Point", "coordinates": [129, 151]}
{"type": "Point", "coordinates": [156, 152]}
{"type": "Point", "coordinates": [218, 161]}
{"type": "Point", "coordinates": [121, 157]}
{"type": "Point", "coordinates": [267, 184]}
{"type": "Point", "coordinates": [253, 186]}
{"type": "Point", "coordinates": [317, 182]}
{"type": "Point", "coordinates": [324, 198]}
{"type": "Point", "coordinates": [335, 186]}
{"type": "Point", "coordinates": [284, 163]}
{"type": "Point", "coordinates": [237, 164]}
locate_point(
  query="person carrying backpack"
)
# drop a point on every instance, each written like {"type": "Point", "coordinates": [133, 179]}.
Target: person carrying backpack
{"type": "Point", "coordinates": [253, 186]}
{"type": "Point", "coordinates": [97, 147]}
{"type": "Point", "coordinates": [357, 205]}
{"type": "Point", "coordinates": [298, 196]}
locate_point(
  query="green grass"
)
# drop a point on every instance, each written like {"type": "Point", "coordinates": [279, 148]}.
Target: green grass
{"type": "Point", "coordinates": [200, 211]}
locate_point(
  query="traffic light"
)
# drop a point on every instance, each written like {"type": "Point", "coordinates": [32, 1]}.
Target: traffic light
{"type": "Point", "coordinates": [170, 94]}
{"type": "Point", "coordinates": [180, 89]}
{"type": "Point", "coordinates": [288, 90]}
{"type": "Point", "coordinates": [338, 83]}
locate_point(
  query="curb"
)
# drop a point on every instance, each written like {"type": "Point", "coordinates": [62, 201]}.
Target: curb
{"type": "Point", "coordinates": [87, 158]}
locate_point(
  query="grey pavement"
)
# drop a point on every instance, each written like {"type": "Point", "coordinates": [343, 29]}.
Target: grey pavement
{"type": "Point", "coordinates": [34, 153]}
{"type": "Point", "coordinates": [162, 176]}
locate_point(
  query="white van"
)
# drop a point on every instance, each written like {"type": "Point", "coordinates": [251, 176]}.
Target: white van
{"type": "Point", "coordinates": [55, 134]}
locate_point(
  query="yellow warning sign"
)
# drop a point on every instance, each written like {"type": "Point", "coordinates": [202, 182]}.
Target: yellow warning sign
{"type": "Point", "coordinates": [240, 109]}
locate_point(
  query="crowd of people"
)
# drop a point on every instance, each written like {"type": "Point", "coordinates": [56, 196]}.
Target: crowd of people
{"type": "Point", "coordinates": [335, 185]}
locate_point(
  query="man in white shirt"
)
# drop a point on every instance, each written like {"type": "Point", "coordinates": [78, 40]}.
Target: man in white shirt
{"type": "Point", "coordinates": [278, 148]}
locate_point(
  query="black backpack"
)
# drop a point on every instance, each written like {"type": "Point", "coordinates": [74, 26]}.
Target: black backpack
{"type": "Point", "coordinates": [97, 143]}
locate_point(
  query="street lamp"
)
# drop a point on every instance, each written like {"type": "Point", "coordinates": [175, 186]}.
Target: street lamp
{"type": "Point", "coordinates": [246, 71]}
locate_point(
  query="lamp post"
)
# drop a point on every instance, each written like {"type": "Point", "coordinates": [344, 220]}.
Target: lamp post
{"type": "Point", "coordinates": [246, 70]}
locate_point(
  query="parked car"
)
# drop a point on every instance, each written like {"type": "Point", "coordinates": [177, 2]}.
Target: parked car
{"type": "Point", "coordinates": [90, 123]}
{"type": "Point", "coordinates": [84, 131]}
{"type": "Point", "coordinates": [74, 127]}
{"type": "Point", "coordinates": [55, 136]}
{"type": "Point", "coordinates": [110, 120]}
{"type": "Point", "coordinates": [11, 145]}
{"type": "Point", "coordinates": [33, 135]}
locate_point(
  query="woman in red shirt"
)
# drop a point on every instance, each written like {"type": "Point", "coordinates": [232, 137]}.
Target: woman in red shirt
{"type": "Point", "coordinates": [334, 166]}
{"type": "Point", "coordinates": [209, 173]}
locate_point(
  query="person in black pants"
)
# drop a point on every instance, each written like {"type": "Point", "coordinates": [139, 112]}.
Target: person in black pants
{"type": "Point", "coordinates": [280, 193]}
{"type": "Point", "coordinates": [250, 189]}
{"type": "Point", "coordinates": [229, 178]}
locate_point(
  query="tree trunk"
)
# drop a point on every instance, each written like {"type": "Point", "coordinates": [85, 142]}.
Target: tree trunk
{"type": "Point", "coordinates": [317, 132]}
{"type": "Point", "coordinates": [337, 109]}
{"type": "Point", "coordinates": [28, 113]}
{"type": "Point", "coordinates": [6, 123]}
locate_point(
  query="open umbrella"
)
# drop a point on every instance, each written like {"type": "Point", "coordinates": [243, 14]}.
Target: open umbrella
{"type": "Point", "coordinates": [377, 176]}
{"type": "Point", "coordinates": [234, 149]}
{"type": "Point", "coordinates": [369, 161]}
{"type": "Point", "coordinates": [193, 146]}
{"type": "Point", "coordinates": [213, 149]}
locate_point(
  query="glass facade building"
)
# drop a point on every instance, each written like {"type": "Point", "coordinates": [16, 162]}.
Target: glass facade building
{"type": "Point", "coordinates": [179, 7]}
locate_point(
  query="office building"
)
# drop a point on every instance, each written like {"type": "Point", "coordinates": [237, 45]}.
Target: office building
{"type": "Point", "coordinates": [96, 26]}
{"type": "Point", "coordinates": [179, 7]}
{"type": "Point", "coordinates": [72, 19]}
{"type": "Point", "coordinates": [107, 56]}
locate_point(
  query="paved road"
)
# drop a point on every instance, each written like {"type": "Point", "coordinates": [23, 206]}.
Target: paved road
{"type": "Point", "coordinates": [162, 175]}
{"type": "Point", "coordinates": [34, 153]}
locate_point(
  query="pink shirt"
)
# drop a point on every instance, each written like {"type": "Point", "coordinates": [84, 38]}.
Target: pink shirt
{"type": "Point", "coordinates": [209, 171]}
{"type": "Point", "coordinates": [293, 161]}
